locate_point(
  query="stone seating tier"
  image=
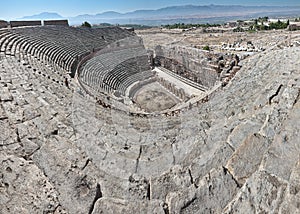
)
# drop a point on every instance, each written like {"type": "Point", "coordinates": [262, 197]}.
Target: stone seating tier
{"type": "Point", "coordinates": [58, 44]}
{"type": "Point", "coordinates": [115, 70]}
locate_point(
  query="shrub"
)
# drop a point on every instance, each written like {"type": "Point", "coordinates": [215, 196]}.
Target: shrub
{"type": "Point", "coordinates": [206, 48]}
{"type": "Point", "coordinates": [238, 29]}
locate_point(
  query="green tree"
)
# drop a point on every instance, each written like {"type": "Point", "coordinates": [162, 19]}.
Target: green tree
{"type": "Point", "coordinates": [238, 29]}
{"type": "Point", "coordinates": [86, 24]}
{"type": "Point", "coordinates": [278, 25]}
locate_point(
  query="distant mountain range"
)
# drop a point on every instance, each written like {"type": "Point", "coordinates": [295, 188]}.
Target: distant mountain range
{"type": "Point", "coordinates": [43, 16]}
{"type": "Point", "coordinates": [175, 14]}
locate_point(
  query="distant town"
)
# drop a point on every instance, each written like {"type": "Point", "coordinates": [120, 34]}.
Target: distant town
{"type": "Point", "coordinates": [252, 25]}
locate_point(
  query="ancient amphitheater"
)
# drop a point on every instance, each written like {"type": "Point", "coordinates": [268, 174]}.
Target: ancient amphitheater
{"type": "Point", "coordinates": [112, 121]}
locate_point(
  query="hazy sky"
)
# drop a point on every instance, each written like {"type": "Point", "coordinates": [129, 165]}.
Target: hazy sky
{"type": "Point", "coordinates": [11, 9]}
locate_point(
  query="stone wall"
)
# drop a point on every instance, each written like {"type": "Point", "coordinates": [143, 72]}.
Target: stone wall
{"type": "Point", "coordinates": [179, 92]}
{"type": "Point", "coordinates": [3, 24]}
{"type": "Point", "coordinates": [56, 22]}
{"type": "Point", "coordinates": [294, 27]}
{"type": "Point", "coordinates": [25, 23]}
{"type": "Point", "coordinates": [188, 62]}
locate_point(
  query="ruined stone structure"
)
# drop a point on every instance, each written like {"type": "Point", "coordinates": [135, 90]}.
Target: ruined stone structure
{"type": "Point", "coordinates": [197, 65]}
{"type": "Point", "coordinates": [3, 24]}
{"type": "Point", "coordinates": [56, 22]}
{"type": "Point", "coordinates": [75, 145]}
{"type": "Point", "coordinates": [190, 63]}
{"type": "Point", "coordinates": [179, 92]}
{"type": "Point", "coordinates": [294, 27]}
{"type": "Point", "coordinates": [25, 23]}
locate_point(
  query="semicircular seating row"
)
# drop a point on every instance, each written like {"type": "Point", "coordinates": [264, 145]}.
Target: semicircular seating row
{"type": "Point", "coordinates": [116, 70]}
{"type": "Point", "coordinates": [58, 44]}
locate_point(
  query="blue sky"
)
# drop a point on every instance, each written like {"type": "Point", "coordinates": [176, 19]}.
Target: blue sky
{"type": "Point", "coordinates": [11, 9]}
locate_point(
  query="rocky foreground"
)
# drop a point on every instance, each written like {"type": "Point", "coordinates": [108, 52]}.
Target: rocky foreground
{"type": "Point", "coordinates": [239, 152]}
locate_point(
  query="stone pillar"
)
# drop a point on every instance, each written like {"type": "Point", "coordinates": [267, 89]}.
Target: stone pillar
{"type": "Point", "coordinates": [173, 89]}
{"type": "Point", "coordinates": [181, 93]}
